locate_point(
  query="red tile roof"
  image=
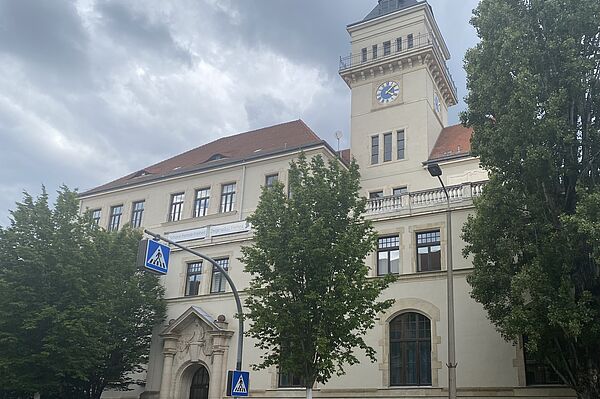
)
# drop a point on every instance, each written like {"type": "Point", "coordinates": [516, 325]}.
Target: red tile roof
{"type": "Point", "coordinates": [256, 143]}
{"type": "Point", "coordinates": [453, 142]}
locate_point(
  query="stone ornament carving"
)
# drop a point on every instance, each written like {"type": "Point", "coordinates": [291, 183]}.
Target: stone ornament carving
{"type": "Point", "coordinates": [196, 337]}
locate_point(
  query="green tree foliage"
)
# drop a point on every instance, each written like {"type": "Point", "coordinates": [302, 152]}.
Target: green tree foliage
{"type": "Point", "coordinates": [311, 301]}
{"type": "Point", "coordinates": [75, 315]}
{"type": "Point", "coordinates": [534, 103]}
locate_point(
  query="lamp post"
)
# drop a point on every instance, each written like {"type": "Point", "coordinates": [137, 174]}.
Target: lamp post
{"type": "Point", "coordinates": [435, 171]}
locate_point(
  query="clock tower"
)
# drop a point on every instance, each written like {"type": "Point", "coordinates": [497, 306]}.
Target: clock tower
{"type": "Point", "coordinates": [401, 91]}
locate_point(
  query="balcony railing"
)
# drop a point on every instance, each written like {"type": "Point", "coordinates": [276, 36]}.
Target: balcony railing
{"type": "Point", "coordinates": [423, 199]}
{"type": "Point", "coordinates": [392, 48]}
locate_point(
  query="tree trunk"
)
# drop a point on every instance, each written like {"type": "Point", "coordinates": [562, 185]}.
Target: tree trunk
{"type": "Point", "coordinates": [308, 393]}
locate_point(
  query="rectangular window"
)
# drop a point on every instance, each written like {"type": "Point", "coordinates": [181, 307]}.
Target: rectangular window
{"type": "Point", "coordinates": [271, 179]}
{"type": "Point", "coordinates": [428, 251]}
{"type": "Point", "coordinates": [137, 211]}
{"type": "Point", "coordinates": [398, 44]}
{"type": "Point", "coordinates": [375, 194]}
{"type": "Point", "coordinates": [290, 380]}
{"type": "Point", "coordinates": [374, 150]}
{"type": "Point", "coordinates": [202, 202]}
{"type": "Point", "coordinates": [400, 144]}
{"type": "Point", "coordinates": [227, 197]}
{"type": "Point", "coordinates": [374, 51]}
{"type": "Point", "coordinates": [387, 48]}
{"type": "Point", "coordinates": [176, 207]}
{"type": "Point", "coordinates": [388, 255]}
{"type": "Point", "coordinates": [410, 40]}
{"type": "Point", "coordinates": [96, 214]}
{"type": "Point", "coordinates": [363, 55]}
{"type": "Point", "coordinates": [398, 191]}
{"type": "Point", "coordinates": [536, 372]}
{"type": "Point", "coordinates": [193, 278]}
{"type": "Point", "coordinates": [115, 217]}
{"type": "Point", "coordinates": [218, 282]}
{"type": "Point", "coordinates": [387, 147]}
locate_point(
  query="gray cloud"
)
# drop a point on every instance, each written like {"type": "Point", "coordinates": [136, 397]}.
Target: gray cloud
{"type": "Point", "coordinates": [91, 90]}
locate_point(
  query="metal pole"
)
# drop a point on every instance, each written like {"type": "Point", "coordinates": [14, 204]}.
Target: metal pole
{"type": "Point", "coordinates": [224, 273]}
{"type": "Point", "coordinates": [450, 300]}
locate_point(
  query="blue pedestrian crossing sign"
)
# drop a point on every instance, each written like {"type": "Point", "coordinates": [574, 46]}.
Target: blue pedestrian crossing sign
{"type": "Point", "coordinates": [154, 256]}
{"type": "Point", "coordinates": [238, 383]}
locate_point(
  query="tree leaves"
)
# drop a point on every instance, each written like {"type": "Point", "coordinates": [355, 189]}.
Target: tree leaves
{"type": "Point", "coordinates": [311, 301]}
{"type": "Point", "coordinates": [76, 315]}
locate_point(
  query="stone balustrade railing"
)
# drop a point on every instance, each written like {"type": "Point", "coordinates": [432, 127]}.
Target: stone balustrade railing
{"type": "Point", "coordinates": [422, 199]}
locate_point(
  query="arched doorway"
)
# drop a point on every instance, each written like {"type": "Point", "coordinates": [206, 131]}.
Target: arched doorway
{"type": "Point", "coordinates": [199, 387]}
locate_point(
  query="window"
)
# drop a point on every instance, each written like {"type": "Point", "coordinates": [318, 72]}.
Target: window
{"type": "Point", "coordinates": [115, 217]}
{"type": "Point", "coordinates": [290, 380]}
{"type": "Point", "coordinates": [137, 211]}
{"type": "Point", "coordinates": [176, 207]}
{"type": "Point", "coordinates": [271, 179]}
{"type": "Point", "coordinates": [218, 282]}
{"type": "Point", "coordinates": [398, 191]}
{"type": "Point", "coordinates": [410, 40]}
{"type": "Point", "coordinates": [374, 150]}
{"type": "Point", "coordinates": [398, 44]}
{"type": "Point", "coordinates": [536, 372]}
{"type": "Point", "coordinates": [202, 202]}
{"type": "Point", "coordinates": [375, 194]}
{"type": "Point", "coordinates": [387, 147]}
{"type": "Point", "coordinates": [387, 48]}
{"type": "Point", "coordinates": [96, 214]}
{"type": "Point", "coordinates": [388, 255]}
{"type": "Point", "coordinates": [410, 350]}
{"type": "Point", "coordinates": [374, 51]}
{"type": "Point", "coordinates": [400, 144]}
{"type": "Point", "coordinates": [428, 251]}
{"type": "Point", "coordinates": [436, 103]}
{"type": "Point", "coordinates": [227, 197]}
{"type": "Point", "coordinates": [363, 55]}
{"type": "Point", "coordinates": [193, 278]}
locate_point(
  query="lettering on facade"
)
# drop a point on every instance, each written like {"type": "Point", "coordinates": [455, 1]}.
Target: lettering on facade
{"type": "Point", "coordinates": [212, 231]}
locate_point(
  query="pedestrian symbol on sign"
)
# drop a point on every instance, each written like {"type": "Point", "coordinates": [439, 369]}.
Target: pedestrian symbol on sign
{"type": "Point", "coordinates": [240, 386]}
{"type": "Point", "coordinates": [158, 259]}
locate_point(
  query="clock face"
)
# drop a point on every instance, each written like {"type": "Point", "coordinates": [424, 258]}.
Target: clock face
{"type": "Point", "coordinates": [388, 92]}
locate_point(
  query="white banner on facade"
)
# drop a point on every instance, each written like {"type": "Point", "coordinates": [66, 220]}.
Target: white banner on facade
{"type": "Point", "coordinates": [187, 235]}
{"type": "Point", "coordinates": [229, 228]}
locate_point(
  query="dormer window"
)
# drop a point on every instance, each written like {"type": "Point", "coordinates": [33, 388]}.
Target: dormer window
{"type": "Point", "coordinates": [216, 157]}
{"type": "Point", "coordinates": [141, 173]}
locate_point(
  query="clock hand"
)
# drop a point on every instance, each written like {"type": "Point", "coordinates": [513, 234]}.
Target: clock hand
{"type": "Point", "coordinates": [389, 91]}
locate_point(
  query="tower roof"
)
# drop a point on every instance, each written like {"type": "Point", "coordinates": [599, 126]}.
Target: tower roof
{"type": "Point", "coordinates": [389, 6]}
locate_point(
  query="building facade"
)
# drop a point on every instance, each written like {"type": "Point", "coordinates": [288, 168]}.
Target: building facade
{"type": "Point", "coordinates": [401, 91]}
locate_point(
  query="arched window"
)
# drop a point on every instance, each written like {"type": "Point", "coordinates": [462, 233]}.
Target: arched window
{"type": "Point", "coordinates": [410, 350]}
{"type": "Point", "coordinates": [199, 387]}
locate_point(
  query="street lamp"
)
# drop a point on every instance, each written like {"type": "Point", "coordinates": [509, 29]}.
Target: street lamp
{"type": "Point", "coordinates": [435, 171]}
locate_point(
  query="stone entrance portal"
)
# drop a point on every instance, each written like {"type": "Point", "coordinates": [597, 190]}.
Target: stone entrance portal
{"type": "Point", "coordinates": [195, 350]}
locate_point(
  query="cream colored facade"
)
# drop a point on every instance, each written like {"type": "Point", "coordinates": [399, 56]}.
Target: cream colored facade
{"type": "Point", "coordinates": [193, 338]}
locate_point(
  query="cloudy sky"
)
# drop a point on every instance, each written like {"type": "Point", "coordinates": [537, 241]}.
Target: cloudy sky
{"type": "Point", "coordinates": [91, 90]}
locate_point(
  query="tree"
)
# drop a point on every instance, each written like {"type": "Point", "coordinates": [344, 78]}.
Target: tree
{"type": "Point", "coordinates": [76, 316]}
{"type": "Point", "coordinates": [534, 103]}
{"type": "Point", "coordinates": [310, 299]}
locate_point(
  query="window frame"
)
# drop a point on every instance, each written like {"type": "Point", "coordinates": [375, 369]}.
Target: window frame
{"type": "Point", "coordinates": [227, 198]}
{"type": "Point", "coordinates": [374, 52]}
{"type": "Point", "coordinates": [410, 40]}
{"type": "Point", "coordinates": [375, 149]}
{"type": "Point", "coordinates": [429, 244]}
{"type": "Point", "coordinates": [387, 249]}
{"type": "Point", "coordinates": [398, 44]}
{"type": "Point", "coordinates": [200, 210]}
{"type": "Point", "coordinates": [400, 144]}
{"type": "Point", "coordinates": [387, 48]}
{"type": "Point", "coordinates": [388, 152]}
{"type": "Point", "coordinates": [176, 207]}
{"type": "Point", "coordinates": [222, 284]}
{"type": "Point", "coordinates": [271, 179]}
{"type": "Point", "coordinates": [197, 274]}
{"type": "Point", "coordinates": [291, 377]}
{"type": "Point", "coordinates": [96, 219]}
{"type": "Point", "coordinates": [114, 219]}
{"type": "Point", "coordinates": [400, 190]}
{"type": "Point", "coordinates": [364, 54]}
{"type": "Point", "coordinates": [137, 215]}
{"type": "Point", "coordinates": [403, 337]}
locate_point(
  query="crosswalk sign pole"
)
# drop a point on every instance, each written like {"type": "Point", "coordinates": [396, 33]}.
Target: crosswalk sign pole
{"type": "Point", "coordinates": [234, 290]}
